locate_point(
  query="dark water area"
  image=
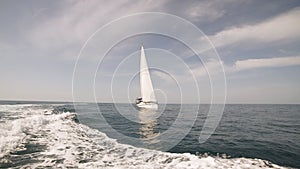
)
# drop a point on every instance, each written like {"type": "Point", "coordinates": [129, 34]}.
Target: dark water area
{"type": "Point", "coordinates": [270, 132]}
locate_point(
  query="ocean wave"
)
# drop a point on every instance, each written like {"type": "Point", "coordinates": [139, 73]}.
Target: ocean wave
{"type": "Point", "coordinates": [39, 137]}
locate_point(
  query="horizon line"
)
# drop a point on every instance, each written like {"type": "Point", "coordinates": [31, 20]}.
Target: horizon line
{"type": "Point", "coordinates": [61, 101]}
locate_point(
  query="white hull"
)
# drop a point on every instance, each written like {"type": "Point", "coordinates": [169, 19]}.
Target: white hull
{"type": "Point", "coordinates": [147, 105]}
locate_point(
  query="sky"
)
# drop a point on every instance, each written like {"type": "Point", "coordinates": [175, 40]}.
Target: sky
{"type": "Point", "coordinates": [258, 44]}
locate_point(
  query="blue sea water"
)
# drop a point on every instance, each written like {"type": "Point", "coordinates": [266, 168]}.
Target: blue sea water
{"type": "Point", "coordinates": [88, 135]}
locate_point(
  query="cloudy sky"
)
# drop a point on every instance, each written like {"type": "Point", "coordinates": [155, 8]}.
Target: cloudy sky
{"type": "Point", "coordinates": [258, 43]}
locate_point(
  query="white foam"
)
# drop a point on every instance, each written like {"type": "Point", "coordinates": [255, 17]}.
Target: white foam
{"type": "Point", "coordinates": [69, 144]}
{"type": "Point", "coordinates": [12, 131]}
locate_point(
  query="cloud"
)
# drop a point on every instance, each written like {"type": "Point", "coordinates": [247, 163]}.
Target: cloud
{"type": "Point", "coordinates": [76, 21]}
{"type": "Point", "coordinates": [201, 11]}
{"type": "Point", "coordinates": [266, 62]}
{"type": "Point", "coordinates": [280, 28]}
{"type": "Point", "coordinates": [169, 78]}
{"type": "Point", "coordinates": [213, 67]}
{"type": "Point", "coordinates": [73, 22]}
{"type": "Point", "coordinates": [207, 10]}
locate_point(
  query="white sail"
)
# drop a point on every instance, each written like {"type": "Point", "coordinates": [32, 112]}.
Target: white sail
{"type": "Point", "coordinates": [147, 91]}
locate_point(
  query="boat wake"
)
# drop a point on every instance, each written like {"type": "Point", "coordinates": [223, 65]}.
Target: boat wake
{"type": "Point", "coordinates": [41, 136]}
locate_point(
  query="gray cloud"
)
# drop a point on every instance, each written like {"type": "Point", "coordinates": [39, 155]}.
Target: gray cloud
{"type": "Point", "coordinates": [280, 28]}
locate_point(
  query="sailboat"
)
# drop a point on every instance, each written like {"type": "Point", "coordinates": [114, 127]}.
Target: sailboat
{"type": "Point", "coordinates": [147, 99]}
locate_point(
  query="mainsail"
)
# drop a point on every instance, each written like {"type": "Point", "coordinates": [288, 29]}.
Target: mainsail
{"type": "Point", "coordinates": [147, 91]}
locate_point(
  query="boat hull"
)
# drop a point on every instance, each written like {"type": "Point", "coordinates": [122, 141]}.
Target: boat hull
{"type": "Point", "coordinates": [147, 105]}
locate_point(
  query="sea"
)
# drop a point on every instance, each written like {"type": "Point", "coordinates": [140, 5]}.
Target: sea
{"type": "Point", "coordinates": [107, 135]}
